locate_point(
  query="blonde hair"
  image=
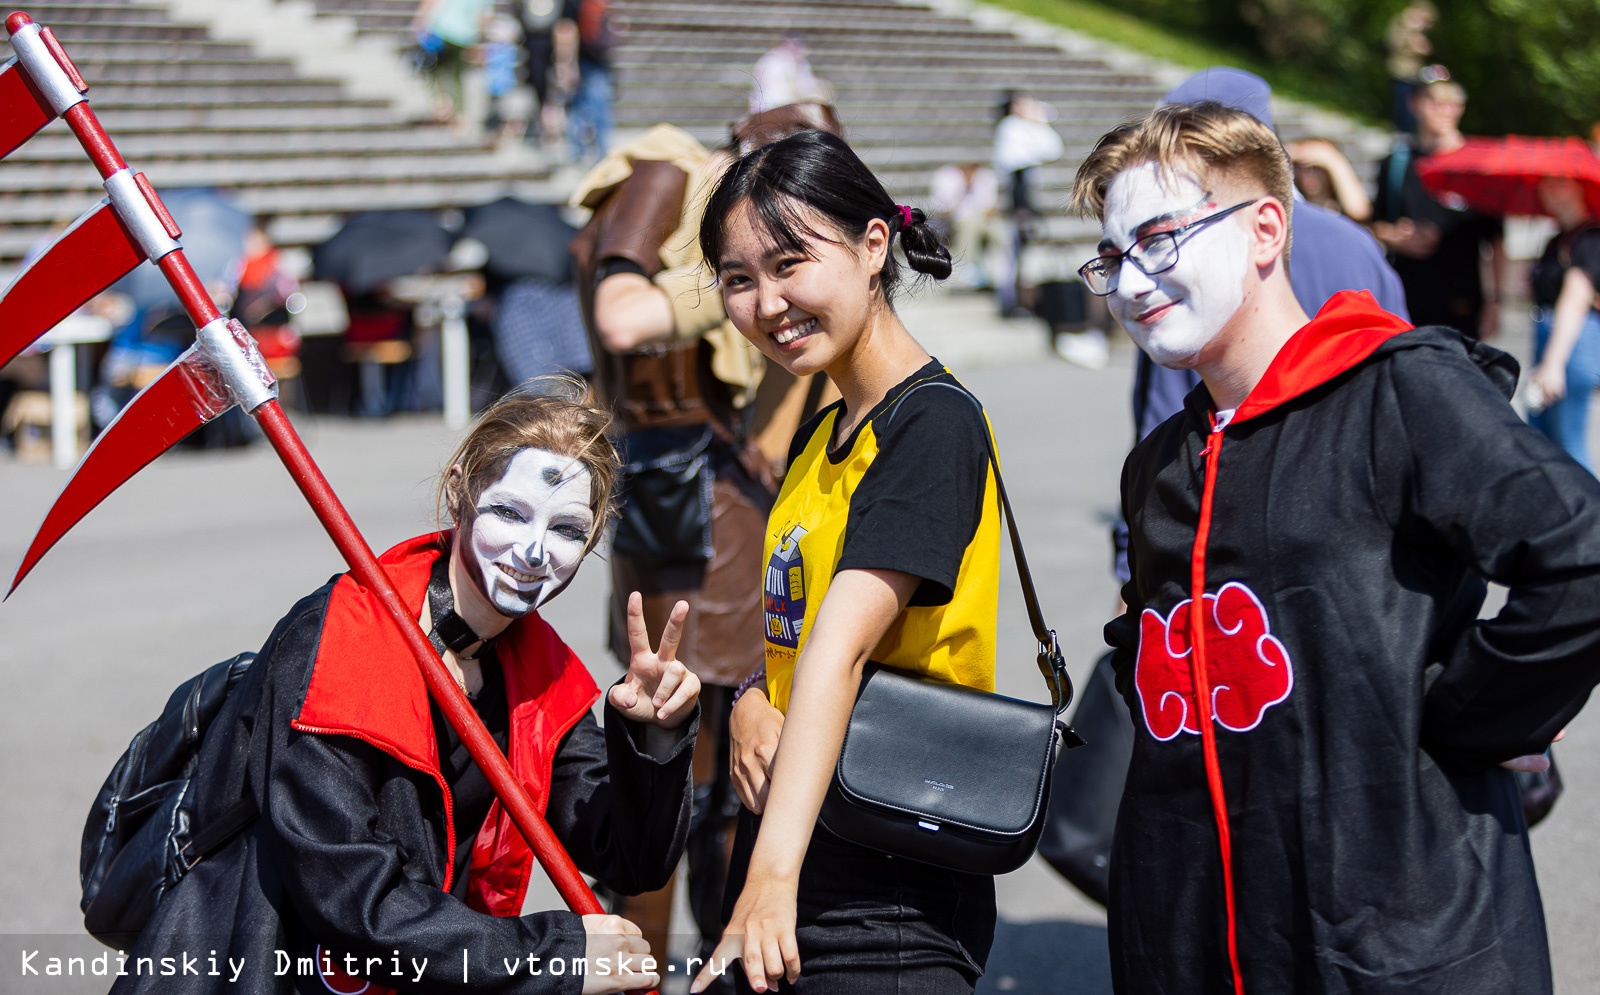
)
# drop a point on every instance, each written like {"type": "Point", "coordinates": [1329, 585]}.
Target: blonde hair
{"type": "Point", "coordinates": [549, 413]}
{"type": "Point", "coordinates": [1205, 137]}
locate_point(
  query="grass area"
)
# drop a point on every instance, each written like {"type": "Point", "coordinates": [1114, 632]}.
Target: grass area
{"type": "Point", "coordinates": [1108, 24]}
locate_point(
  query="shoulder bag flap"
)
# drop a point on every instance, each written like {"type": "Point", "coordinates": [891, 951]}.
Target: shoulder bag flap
{"type": "Point", "coordinates": [946, 780]}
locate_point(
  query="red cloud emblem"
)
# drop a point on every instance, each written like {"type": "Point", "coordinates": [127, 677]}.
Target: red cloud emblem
{"type": "Point", "coordinates": [1248, 666]}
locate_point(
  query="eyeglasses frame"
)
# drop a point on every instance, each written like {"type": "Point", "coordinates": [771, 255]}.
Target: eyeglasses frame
{"type": "Point", "coordinates": [1125, 257]}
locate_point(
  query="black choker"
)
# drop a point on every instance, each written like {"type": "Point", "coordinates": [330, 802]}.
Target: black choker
{"type": "Point", "coordinates": [450, 631]}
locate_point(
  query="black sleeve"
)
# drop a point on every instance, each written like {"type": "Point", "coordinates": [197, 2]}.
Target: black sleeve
{"type": "Point", "coordinates": [918, 505]}
{"type": "Point", "coordinates": [1518, 511]}
{"type": "Point", "coordinates": [348, 880]}
{"type": "Point", "coordinates": [1122, 632]}
{"type": "Point", "coordinates": [622, 812]}
{"type": "Point", "coordinates": [1586, 254]}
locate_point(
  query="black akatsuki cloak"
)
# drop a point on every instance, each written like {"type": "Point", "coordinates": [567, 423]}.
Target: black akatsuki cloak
{"type": "Point", "coordinates": [1342, 821]}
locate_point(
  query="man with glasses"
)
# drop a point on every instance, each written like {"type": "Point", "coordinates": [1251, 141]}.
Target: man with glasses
{"type": "Point", "coordinates": [1319, 799]}
{"type": "Point", "coordinates": [1332, 253]}
{"type": "Point", "coordinates": [1451, 259]}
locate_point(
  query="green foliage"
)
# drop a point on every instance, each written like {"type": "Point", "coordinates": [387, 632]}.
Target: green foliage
{"type": "Point", "coordinates": [1529, 66]}
{"type": "Point", "coordinates": [1186, 45]}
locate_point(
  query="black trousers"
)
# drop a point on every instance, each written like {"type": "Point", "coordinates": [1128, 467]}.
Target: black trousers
{"type": "Point", "coordinates": [872, 924]}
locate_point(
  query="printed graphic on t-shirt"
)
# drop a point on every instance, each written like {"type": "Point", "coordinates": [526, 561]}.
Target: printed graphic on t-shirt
{"type": "Point", "coordinates": [1248, 667]}
{"type": "Point", "coordinates": [785, 592]}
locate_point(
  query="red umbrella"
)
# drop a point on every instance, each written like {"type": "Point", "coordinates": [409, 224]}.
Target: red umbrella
{"type": "Point", "coordinates": [1501, 175]}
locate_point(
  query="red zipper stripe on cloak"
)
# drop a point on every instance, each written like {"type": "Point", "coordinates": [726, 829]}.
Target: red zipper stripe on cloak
{"type": "Point", "coordinates": [1202, 692]}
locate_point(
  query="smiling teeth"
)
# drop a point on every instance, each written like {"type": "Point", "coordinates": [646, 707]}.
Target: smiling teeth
{"type": "Point", "coordinates": [795, 332]}
{"type": "Point", "coordinates": [519, 575]}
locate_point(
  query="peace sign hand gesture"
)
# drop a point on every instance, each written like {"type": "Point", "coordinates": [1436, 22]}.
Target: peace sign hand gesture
{"type": "Point", "coordinates": [658, 688]}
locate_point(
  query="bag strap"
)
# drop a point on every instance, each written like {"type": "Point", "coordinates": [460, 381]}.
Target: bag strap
{"type": "Point", "coordinates": [218, 831]}
{"type": "Point", "coordinates": [1051, 664]}
{"type": "Point", "coordinates": [1394, 181]}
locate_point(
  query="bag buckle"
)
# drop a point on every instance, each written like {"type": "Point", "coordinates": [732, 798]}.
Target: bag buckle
{"type": "Point", "coordinates": [1054, 668]}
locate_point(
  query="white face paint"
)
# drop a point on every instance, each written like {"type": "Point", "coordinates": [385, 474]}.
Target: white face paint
{"type": "Point", "coordinates": [1174, 315]}
{"type": "Point", "coordinates": [530, 529]}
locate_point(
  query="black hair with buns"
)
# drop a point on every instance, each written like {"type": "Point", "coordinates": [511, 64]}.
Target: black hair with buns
{"type": "Point", "coordinates": [813, 175]}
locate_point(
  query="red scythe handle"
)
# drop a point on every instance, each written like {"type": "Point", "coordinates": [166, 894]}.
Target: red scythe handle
{"type": "Point", "coordinates": [342, 530]}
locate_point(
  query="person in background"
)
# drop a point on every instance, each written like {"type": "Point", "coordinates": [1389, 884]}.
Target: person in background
{"type": "Point", "coordinates": [1324, 177]}
{"type": "Point", "coordinates": [262, 303]}
{"type": "Point", "coordinates": [589, 116]}
{"type": "Point", "coordinates": [966, 201]}
{"type": "Point", "coordinates": [449, 29]}
{"type": "Point", "coordinates": [1451, 259]}
{"type": "Point", "coordinates": [1023, 141]}
{"type": "Point", "coordinates": [500, 50]}
{"type": "Point", "coordinates": [1566, 326]}
{"type": "Point", "coordinates": [1407, 42]}
{"type": "Point", "coordinates": [783, 76]}
{"type": "Point", "coordinates": [538, 20]}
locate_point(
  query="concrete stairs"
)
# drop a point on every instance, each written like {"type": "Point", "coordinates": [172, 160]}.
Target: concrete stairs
{"type": "Point", "coordinates": [303, 108]}
{"type": "Point", "coordinates": [191, 99]}
{"type": "Point", "coordinates": [917, 83]}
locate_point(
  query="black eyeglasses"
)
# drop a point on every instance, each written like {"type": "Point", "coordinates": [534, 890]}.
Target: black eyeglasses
{"type": "Point", "coordinates": [1152, 254]}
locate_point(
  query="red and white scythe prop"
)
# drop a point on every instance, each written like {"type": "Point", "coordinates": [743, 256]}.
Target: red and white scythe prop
{"type": "Point", "coordinates": [221, 369]}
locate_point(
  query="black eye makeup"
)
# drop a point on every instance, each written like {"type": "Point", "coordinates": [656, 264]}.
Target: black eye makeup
{"type": "Point", "coordinates": [573, 532]}
{"type": "Point", "coordinates": [504, 512]}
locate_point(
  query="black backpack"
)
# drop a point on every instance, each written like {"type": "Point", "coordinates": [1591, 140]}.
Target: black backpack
{"type": "Point", "coordinates": [141, 836]}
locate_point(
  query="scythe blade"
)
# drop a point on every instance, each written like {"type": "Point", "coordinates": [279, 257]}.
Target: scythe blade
{"type": "Point", "coordinates": [91, 255]}
{"type": "Point", "coordinates": [186, 396]}
{"type": "Point", "coordinates": [23, 110]}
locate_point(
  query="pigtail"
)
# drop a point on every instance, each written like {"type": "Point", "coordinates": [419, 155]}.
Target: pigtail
{"type": "Point", "coordinates": [920, 243]}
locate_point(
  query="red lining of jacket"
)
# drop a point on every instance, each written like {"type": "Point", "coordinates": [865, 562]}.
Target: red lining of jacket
{"type": "Point", "coordinates": [365, 684]}
{"type": "Point", "coordinates": [1349, 328]}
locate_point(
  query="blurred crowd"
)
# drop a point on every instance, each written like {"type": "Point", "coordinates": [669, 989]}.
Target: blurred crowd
{"type": "Point", "coordinates": [545, 71]}
{"type": "Point", "coordinates": [559, 50]}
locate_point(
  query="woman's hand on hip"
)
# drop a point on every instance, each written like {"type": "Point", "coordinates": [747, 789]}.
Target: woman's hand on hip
{"type": "Point", "coordinates": [658, 688]}
{"type": "Point", "coordinates": [754, 729]}
{"type": "Point", "coordinates": [761, 934]}
{"type": "Point", "coordinates": [617, 957]}
{"type": "Point", "coordinates": [1551, 382]}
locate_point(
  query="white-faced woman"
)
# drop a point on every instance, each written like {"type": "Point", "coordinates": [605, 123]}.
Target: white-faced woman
{"type": "Point", "coordinates": [381, 858]}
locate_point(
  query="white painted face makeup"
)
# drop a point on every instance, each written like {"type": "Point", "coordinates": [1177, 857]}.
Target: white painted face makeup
{"type": "Point", "coordinates": [529, 530]}
{"type": "Point", "coordinates": [1174, 315]}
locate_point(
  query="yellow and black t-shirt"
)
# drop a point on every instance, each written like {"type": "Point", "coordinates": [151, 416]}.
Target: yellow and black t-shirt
{"type": "Point", "coordinates": [911, 490]}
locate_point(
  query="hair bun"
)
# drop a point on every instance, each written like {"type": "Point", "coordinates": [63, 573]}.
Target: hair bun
{"type": "Point", "coordinates": [921, 245]}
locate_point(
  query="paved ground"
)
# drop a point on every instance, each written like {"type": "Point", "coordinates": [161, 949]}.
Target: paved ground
{"type": "Point", "coordinates": [198, 556]}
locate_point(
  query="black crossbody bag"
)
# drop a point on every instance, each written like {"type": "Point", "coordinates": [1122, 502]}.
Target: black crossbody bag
{"type": "Point", "coordinates": [950, 775]}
